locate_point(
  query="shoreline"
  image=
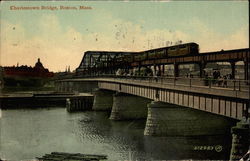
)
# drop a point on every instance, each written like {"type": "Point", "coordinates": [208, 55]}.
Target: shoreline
{"type": "Point", "coordinates": [31, 99]}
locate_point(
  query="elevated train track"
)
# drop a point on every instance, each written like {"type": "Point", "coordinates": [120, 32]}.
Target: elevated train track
{"type": "Point", "coordinates": [218, 56]}
{"type": "Point", "coordinates": [108, 62]}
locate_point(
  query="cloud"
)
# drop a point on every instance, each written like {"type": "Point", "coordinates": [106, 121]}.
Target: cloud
{"type": "Point", "coordinates": [239, 39]}
{"type": "Point", "coordinates": [49, 23]}
{"type": "Point", "coordinates": [16, 33]}
{"type": "Point", "coordinates": [210, 40]}
{"type": "Point", "coordinates": [59, 47]}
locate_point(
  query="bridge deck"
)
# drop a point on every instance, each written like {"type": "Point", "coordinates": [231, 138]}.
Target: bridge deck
{"type": "Point", "coordinates": [189, 85]}
{"type": "Point", "coordinates": [232, 101]}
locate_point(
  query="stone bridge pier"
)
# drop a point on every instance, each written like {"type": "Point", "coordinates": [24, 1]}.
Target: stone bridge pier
{"type": "Point", "coordinates": [166, 119]}
{"type": "Point", "coordinates": [103, 100]}
{"type": "Point", "coordinates": [129, 107]}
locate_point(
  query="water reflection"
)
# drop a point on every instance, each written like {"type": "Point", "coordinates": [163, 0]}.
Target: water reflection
{"type": "Point", "coordinates": [26, 134]}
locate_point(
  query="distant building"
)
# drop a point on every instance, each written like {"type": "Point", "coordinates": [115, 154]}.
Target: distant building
{"type": "Point", "coordinates": [26, 76]}
{"type": "Point", "coordinates": [22, 71]}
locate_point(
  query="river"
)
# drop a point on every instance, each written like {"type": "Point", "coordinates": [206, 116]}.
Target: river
{"type": "Point", "coordinates": [29, 133]}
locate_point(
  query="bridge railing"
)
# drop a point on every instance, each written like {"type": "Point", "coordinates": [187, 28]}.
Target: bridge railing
{"type": "Point", "coordinates": [231, 84]}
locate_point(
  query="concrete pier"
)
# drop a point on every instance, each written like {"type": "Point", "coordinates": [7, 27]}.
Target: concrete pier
{"type": "Point", "coordinates": [127, 107]}
{"type": "Point", "coordinates": [103, 100]}
{"type": "Point", "coordinates": [240, 140]}
{"type": "Point", "coordinates": [171, 120]}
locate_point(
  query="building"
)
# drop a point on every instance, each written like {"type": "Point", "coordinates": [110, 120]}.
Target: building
{"type": "Point", "coordinates": [26, 75]}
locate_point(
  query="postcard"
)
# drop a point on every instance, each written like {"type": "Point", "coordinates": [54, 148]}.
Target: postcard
{"type": "Point", "coordinates": [141, 80]}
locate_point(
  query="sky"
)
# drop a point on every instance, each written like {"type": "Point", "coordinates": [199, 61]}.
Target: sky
{"type": "Point", "coordinates": [60, 37]}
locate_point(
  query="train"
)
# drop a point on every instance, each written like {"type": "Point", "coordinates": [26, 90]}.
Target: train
{"type": "Point", "coordinates": [188, 49]}
{"type": "Point", "coordinates": [108, 62]}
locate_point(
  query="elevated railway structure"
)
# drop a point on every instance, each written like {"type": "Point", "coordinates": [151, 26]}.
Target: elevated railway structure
{"type": "Point", "coordinates": [231, 56]}
{"type": "Point", "coordinates": [229, 97]}
{"type": "Point", "coordinates": [105, 62]}
{"type": "Point", "coordinates": [99, 62]}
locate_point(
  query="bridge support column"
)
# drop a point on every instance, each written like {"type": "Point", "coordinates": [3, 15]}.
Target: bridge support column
{"type": "Point", "coordinates": [171, 120]}
{"type": "Point", "coordinates": [159, 70]}
{"type": "Point", "coordinates": [103, 100]}
{"type": "Point", "coordinates": [233, 69]}
{"type": "Point", "coordinates": [163, 69]}
{"type": "Point", "coordinates": [128, 107]}
{"type": "Point", "coordinates": [202, 66]}
{"type": "Point", "coordinates": [240, 142]}
{"type": "Point", "coordinates": [176, 70]}
{"type": "Point", "coordinates": [155, 70]}
{"type": "Point", "coordinates": [246, 69]}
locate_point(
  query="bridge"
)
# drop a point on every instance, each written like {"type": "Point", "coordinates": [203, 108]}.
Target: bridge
{"type": "Point", "coordinates": [104, 62]}
{"type": "Point", "coordinates": [229, 97]}
{"type": "Point", "coordinates": [231, 101]}
{"type": "Point", "coordinates": [134, 85]}
{"type": "Point", "coordinates": [173, 106]}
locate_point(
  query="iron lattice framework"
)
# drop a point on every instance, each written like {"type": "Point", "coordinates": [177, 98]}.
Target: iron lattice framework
{"type": "Point", "coordinates": [101, 62]}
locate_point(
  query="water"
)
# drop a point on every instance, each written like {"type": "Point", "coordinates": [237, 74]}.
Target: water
{"type": "Point", "coordinates": [26, 134]}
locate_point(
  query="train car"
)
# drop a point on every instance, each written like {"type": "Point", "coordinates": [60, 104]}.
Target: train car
{"type": "Point", "coordinates": [156, 54]}
{"type": "Point", "coordinates": [119, 59]}
{"type": "Point", "coordinates": [183, 49]}
{"type": "Point", "coordinates": [137, 57]}
{"type": "Point", "coordinates": [150, 54]}
{"type": "Point", "coordinates": [172, 51]}
{"type": "Point", "coordinates": [144, 55]}
{"type": "Point", "coordinates": [140, 56]}
{"type": "Point", "coordinates": [160, 53]}
{"type": "Point", "coordinates": [129, 58]}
